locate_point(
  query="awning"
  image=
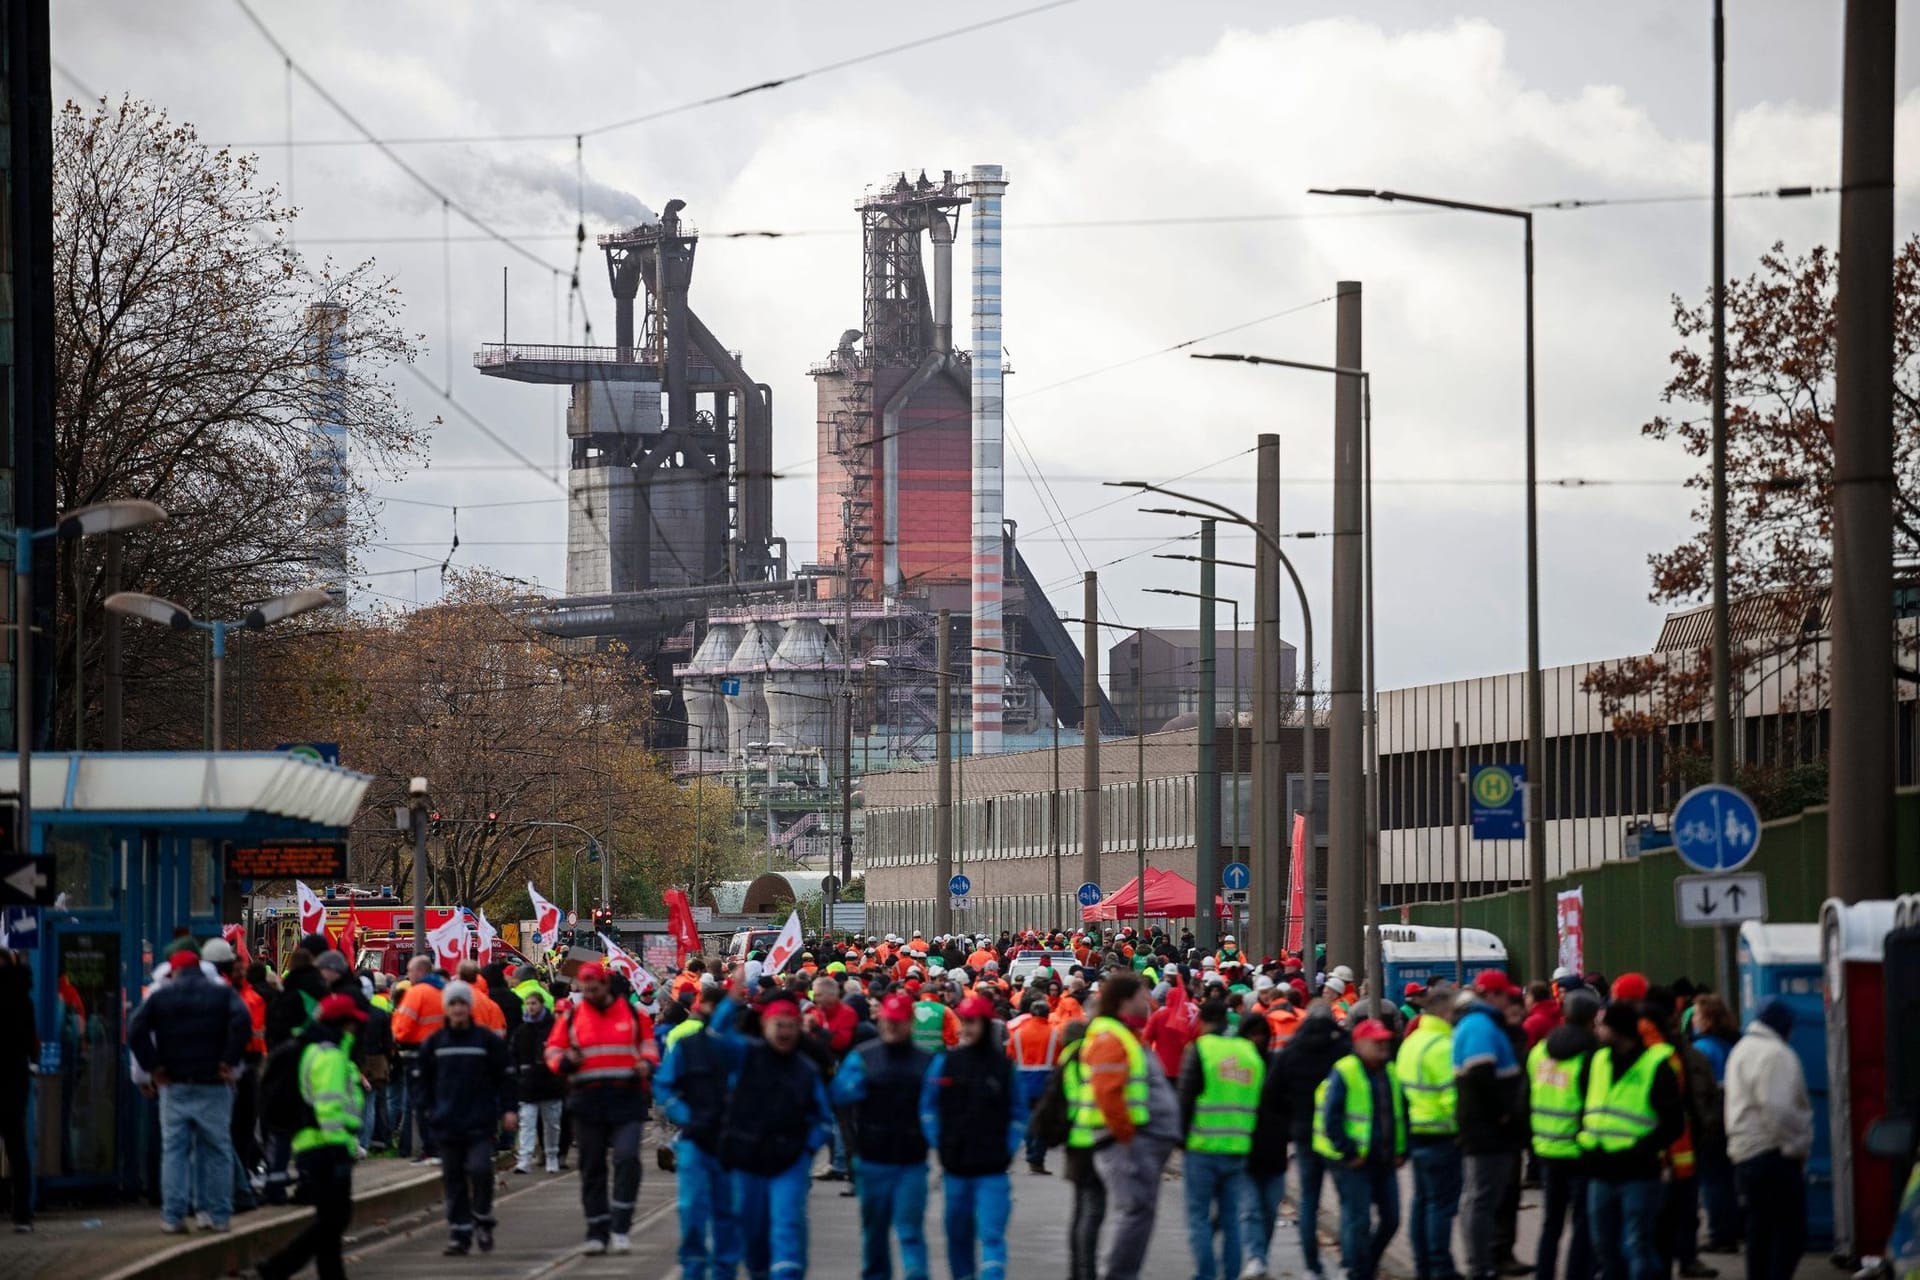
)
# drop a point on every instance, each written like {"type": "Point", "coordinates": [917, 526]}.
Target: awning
{"type": "Point", "coordinates": [231, 783]}
{"type": "Point", "coordinates": [1170, 896]}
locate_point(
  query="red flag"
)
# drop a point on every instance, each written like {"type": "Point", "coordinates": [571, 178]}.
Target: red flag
{"type": "Point", "coordinates": [686, 934]}
{"type": "Point", "coordinates": [236, 936]}
{"type": "Point", "coordinates": [349, 940]}
{"type": "Point", "coordinates": [313, 912]}
{"type": "Point", "coordinates": [1297, 892]}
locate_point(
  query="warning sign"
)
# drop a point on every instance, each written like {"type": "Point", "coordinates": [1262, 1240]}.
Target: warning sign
{"type": "Point", "coordinates": [288, 860]}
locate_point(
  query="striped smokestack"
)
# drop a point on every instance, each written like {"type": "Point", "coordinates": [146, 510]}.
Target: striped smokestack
{"type": "Point", "coordinates": [986, 185]}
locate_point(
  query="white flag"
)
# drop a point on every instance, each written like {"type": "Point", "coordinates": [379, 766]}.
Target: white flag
{"type": "Point", "coordinates": [786, 946]}
{"type": "Point", "coordinates": [449, 942]}
{"type": "Point", "coordinates": [546, 917]}
{"type": "Point", "coordinates": [313, 912]}
{"type": "Point", "coordinates": [487, 936]}
{"type": "Point", "coordinates": [618, 960]}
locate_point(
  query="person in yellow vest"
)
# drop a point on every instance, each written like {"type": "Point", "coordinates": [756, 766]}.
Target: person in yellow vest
{"type": "Point", "coordinates": [1424, 1067]}
{"type": "Point", "coordinates": [1633, 1113]}
{"type": "Point", "coordinates": [1124, 1111]}
{"type": "Point", "coordinates": [1557, 1071]}
{"type": "Point", "coordinates": [1360, 1130]}
{"type": "Point", "coordinates": [324, 1148]}
{"type": "Point", "coordinates": [1220, 1081]}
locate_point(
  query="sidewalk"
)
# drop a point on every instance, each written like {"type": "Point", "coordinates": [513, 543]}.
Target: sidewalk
{"type": "Point", "coordinates": [118, 1242]}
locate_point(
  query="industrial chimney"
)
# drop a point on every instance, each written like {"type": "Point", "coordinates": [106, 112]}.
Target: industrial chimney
{"type": "Point", "coordinates": [986, 185]}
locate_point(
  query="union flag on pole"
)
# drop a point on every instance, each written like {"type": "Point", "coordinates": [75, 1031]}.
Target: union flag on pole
{"type": "Point", "coordinates": [786, 946]}
{"type": "Point", "coordinates": [448, 939]}
{"type": "Point", "coordinates": [487, 936]}
{"type": "Point", "coordinates": [1297, 891]}
{"type": "Point", "coordinates": [546, 917]}
{"type": "Point", "coordinates": [313, 912]}
{"type": "Point", "coordinates": [686, 934]}
{"type": "Point", "coordinates": [349, 941]}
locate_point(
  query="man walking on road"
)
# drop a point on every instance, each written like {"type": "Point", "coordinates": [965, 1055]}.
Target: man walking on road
{"type": "Point", "coordinates": [418, 1017]}
{"type": "Point", "coordinates": [1220, 1084]}
{"type": "Point", "coordinates": [191, 1035]}
{"type": "Point", "coordinates": [777, 1116]}
{"type": "Point", "coordinates": [880, 1082]}
{"type": "Point", "coordinates": [1303, 1067]}
{"type": "Point", "coordinates": [1633, 1113]}
{"type": "Point", "coordinates": [972, 1116]}
{"type": "Point", "coordinates": [605, 1049]}
{"type": "Point", "coordinates": [1769, 1132]}
{"type": "Point", "coordinates": [1425, 1069]}
{"type": "Point", "coordinates": [1124, 1108]}
{"type": "Point", "coordinates": [1032, 1044]}
{"type": "Point", "coordinates": [1360, 1130]}
{"type": "Point", "coordinates": [1492, 1126]}
{"type": "Point", "coordinates": [463, 1079]}
{"type": "Point", "coordinates": [323, 1147]}
{"type": "Point", "coordinates": [692, 1086]}
{"type": "Point", "coordinates": [1557, 1070]}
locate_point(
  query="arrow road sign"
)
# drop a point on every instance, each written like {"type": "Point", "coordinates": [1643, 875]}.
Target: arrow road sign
{"type": "Point", "coordinates": [961, 904]}
{"type": "Point", "coordinates": [1235, 875]}
{"type": "Point", "coordinates": [1704, 901]}
{"type": "Point", "coordinates": [959, 886]}
{"type": "Point", "coordinates": [26, 881]}
{"type": "Point", "coordinates": [1088, 894]}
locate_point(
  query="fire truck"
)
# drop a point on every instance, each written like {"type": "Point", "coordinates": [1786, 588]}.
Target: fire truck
{"type": "Point", "coordinates": [383, 930]}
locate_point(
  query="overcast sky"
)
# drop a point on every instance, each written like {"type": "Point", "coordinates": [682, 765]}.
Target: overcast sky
{"type": "Point", "coordinates": [1099, 110]}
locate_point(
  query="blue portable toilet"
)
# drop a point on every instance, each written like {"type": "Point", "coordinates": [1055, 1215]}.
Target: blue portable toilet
{"type": "Point", "coordinates": [1423, 952]}
{"type": "Point", "coordinates": [1784, 960]}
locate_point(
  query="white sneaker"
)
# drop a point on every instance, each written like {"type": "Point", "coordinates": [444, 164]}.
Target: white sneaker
{"type": "Point", "coordinates": [522, 1167]}
{"type": "Point", "coordinates": [622, 1242]}
{"type": "Point", "coordinates": [595, 1246]}
{"type": "Point", "coordinates": [553, 1166]}
{"type": "Point", "coordinates": [1254, 1270]}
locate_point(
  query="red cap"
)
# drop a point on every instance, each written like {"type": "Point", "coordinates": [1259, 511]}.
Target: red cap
{"type": "Point", "coordinates": [1371, 1029]}
{"type": "Point", "coordinates": [1492, 983]}
{"type": "Point", "coordinates": [185, 958]}
{"type": "Point", "coordinates": [897, 1007]}
{"type": "Point", "coordinates": [1630, 986]}
{"type": "Point", "coordinates": [913, 985]}
{"type": "Point", "coordinates": [591, 969]}
{"type": "Point", "coordinates": [336, 1007]}
{"type": "Point", "coordinates": [779, 1009]}
{"type": "Point", "coordinates": [1413, 989]}
{"type": "Point", "coordinates": [1298, 984]}
{"type": "Point", "coordinates": [975, 1007]}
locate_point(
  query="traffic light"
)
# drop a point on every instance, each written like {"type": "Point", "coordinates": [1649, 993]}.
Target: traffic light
{"type": "Point", "coordinates": [493, 822]}
{"type": "Point", "coordinates": [433, 822]}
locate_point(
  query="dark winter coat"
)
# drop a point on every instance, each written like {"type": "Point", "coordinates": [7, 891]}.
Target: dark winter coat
{"type": "Point", "coordinates": [1300, 1067]}
{"type": "Point", "coordinates": [190, 1028]}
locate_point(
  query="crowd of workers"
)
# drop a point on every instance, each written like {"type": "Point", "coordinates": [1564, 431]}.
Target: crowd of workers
{"type": "Point", "coordinates": [1635, 1107]}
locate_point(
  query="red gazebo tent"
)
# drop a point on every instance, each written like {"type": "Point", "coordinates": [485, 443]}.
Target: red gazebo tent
{"type": "Point", "coordinates": [1170, 896]}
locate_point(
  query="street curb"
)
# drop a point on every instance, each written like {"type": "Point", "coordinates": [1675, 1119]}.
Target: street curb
{"type": "Point", "coordinates": [218, 1255]}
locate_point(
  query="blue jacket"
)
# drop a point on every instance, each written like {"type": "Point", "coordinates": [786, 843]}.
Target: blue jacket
{"type": "Point", "coordinates": [1489, 1081]}
{"type": "Point", "coordinates": [463, 1082]}
{"type": "Point", "coordinates": [729, 1048]}
{"type": "Point", "coordinates": [189, 1028]}
{"type": "Point", "coordinates": [880, 1084]}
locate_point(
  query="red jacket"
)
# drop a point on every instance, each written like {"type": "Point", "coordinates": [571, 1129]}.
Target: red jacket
{"type": "Point", "coordinates": [613, 1042]}
{"type": "Point", "coordinates": [1170, 1029]}
{"type": "Point", "coordinates": [1541, 1020]}
{"type": "Point", "coordinates": [838, 1025]}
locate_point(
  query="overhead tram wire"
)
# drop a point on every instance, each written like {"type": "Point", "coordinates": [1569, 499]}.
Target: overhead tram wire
{"type": "Point", "coordinates": [662, 113]}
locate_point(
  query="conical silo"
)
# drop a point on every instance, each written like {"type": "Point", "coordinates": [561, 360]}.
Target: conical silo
{"type": "Point", "coordinates": [802, 678]}
{"type": "Point", "coordinates": [707, 729]}
{"type": "Point", "coordinates": [747, 710]}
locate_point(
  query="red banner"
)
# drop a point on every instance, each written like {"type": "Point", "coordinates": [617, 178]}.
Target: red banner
{"type": "Point", "coordinates": [686, 935]}
{"type": "Point", "coordinates": [349, 940]}
{"type": "Point", "coordinates": [1297, 887]}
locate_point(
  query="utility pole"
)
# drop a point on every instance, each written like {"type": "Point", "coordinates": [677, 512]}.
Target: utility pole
{"type": "Point", "coordinates": [1269, 797]}
{"type": "Point", "coordinates": [1206, 826]}
{"type": "Point", "coordinates": [112, 698]}
{"type": "Point", "coordinates": [846, 690]}
{"type": "Point", "coordinates": [943, 740]}
{"type": "Point", "coordinates": [1346, 863]}
{"type": "Point", "coordinates": [1723, 731]}
{"type": "Point", "coordinates": [1090, 735]}
{"type": "Point", "coordinates": [1860, 839]}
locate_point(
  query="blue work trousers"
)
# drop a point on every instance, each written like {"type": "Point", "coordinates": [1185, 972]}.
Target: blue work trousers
{"type": "Point", "coordinates": [1437, 1178]}
{"type": "Point", "coordinates": [1369, 1215]}
{"type": "Point", "coordinates": [1214, 1182]}
{"type": "Point", "coordinates": [1033, 1085]}
{"type": "Point", "coordinates": [1620, 1220]}
{"type": "Point", "coordinates": [1311, 1169]}
{"type": "Point", "coordinates": [772, 1211]}
{"type": "Point", "coordinates": [1259, 1210]}
{"type": "Point", "coordinates": [893, 1202]}
{"type": "Point", "coordinates": [977, 1210]}
{"type": "Point", "coordinates": [196, 1151]}
{"type": "Point", "coordinates": [709, 1234]}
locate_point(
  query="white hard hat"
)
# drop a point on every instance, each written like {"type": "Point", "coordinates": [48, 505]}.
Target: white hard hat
{"type": "Point", "coordinates": [1343, 973]}
{"type": "Point", "coordinates": [1228, 938]}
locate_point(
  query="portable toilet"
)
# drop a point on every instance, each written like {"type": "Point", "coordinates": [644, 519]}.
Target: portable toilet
{"type": "Point", "coordinates": [1853, 957]}
{"type": "Point", "coordinates": [1783, 960]}
{"type": "Point", "coordinates": [1422, 952]}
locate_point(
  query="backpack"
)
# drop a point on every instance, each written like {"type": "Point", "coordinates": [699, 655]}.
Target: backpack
{"type": "Point", "coordinates": [1052, 1119]}
{"type": "Point", "coordinates": [282, 1107]}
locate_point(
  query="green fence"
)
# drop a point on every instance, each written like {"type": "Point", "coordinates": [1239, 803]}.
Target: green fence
{"type": "Point", "coordinates": [1629, 916]}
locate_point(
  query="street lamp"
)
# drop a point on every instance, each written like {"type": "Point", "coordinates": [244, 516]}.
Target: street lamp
{"type": "Point", "coordinates": [1371, 697]}
{"type": "Point", "coordinates": [1539, 955]}
{"type": "Point", "coordinates": [1218, 511]}
{"type": "Point", "coordinates": [82, 522]}
{"type": "Point", "coordinates": [1053, 800]}
{"type": "Point", "coordinates": [135, 604]}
